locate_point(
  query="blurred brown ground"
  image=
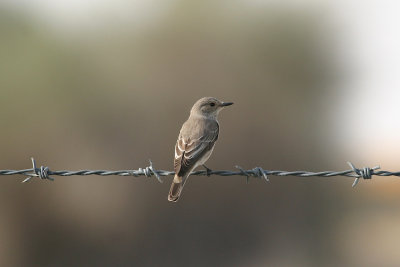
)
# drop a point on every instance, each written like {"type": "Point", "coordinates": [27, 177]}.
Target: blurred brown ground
{"type": "Point", "coordinates": [109, 98]}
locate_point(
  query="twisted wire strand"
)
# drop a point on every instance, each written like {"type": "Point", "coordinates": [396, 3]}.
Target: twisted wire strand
{"type": "Point", "coordinates": [257, 172]}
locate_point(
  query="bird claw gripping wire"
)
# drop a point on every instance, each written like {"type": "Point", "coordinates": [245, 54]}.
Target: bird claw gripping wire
{"type": "Point", "coordinates": [42, 172]}
{"type": "Point", "coordinates": [208, 170]}
{"type": "Point", "coordinates": [149, 171]}
{"type": "Point", "coordinates": [365, 173]}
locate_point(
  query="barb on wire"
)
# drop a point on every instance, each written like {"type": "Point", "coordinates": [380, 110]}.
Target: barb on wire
{"type": "Point", "coordinates": [243, 173]}
{"type": "Point", "coordinates": [42, 172]}
{"type": "Point", "coordinates": [257, 172]}
{"type": "Point", "coordinates": [365, 172]}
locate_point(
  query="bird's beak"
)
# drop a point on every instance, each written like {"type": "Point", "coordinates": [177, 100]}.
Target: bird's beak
{"type": "Point", "coordinates": [225, 104]}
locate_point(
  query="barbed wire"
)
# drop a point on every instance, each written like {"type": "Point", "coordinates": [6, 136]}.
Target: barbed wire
{"type": "Point", "coordinates": [257, 172]}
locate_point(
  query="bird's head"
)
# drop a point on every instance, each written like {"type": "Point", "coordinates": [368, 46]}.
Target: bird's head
{"type": "Point", "coordinates": [208, 107]}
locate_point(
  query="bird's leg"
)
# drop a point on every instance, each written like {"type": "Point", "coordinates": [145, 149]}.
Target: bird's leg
{"type": "Point", "coordinates": [208, 170]}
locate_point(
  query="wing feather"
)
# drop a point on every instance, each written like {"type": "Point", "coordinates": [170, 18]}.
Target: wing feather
{"type": "Point", "coordinates": [192, 146]}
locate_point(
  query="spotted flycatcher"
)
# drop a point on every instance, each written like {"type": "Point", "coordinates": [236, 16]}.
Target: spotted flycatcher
{"type": "Point", "coordinates": [196, 141]}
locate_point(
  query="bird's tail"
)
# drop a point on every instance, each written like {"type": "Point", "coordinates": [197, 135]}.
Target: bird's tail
{"type": "Point", "coordinates": [176, 188]}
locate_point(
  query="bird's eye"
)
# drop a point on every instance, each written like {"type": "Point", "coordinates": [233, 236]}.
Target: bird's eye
{"type": "Point", "coordinates": [212, 104]}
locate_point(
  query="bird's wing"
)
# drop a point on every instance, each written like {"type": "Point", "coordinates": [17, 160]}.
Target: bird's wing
{"type": "Point", "coordinates": [191, 147]}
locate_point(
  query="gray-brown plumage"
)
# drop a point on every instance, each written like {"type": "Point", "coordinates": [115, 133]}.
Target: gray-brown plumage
{"type": "Point", "coordinates": [196, 141]}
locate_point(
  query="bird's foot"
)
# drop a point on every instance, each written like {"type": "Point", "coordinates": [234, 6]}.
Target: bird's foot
{"type": "Point", "coordinates": [208, 170]}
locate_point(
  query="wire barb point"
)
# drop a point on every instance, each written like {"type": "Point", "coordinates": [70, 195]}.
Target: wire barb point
{"type": "Point", "coordinates": [42, 172]}
{"type": "Point", "coordinates": [150, 170]}
{"type": "Point", "coordinates": [259, 172]}
{"type": "Point", "coordinates": [365, 173]}
{"type": "Point", "coordinates": [243, 173]}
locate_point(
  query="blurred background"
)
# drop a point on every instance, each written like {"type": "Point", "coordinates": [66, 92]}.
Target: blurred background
{"type": "Point", "coordinates": [107, 85]}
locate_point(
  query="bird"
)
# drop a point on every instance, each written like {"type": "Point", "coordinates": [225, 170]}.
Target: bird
{"type": "Point", "coordinates": [195, 142]}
